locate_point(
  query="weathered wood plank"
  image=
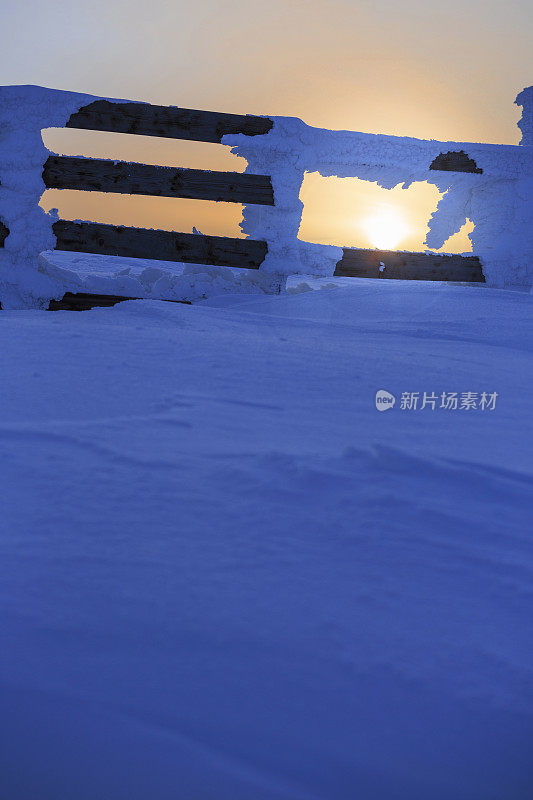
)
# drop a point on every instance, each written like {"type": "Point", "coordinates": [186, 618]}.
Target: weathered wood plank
{"type": "Point", "coordinates": [102, 175]}
{"type": "Point", "coordinates": [360, 263]}
{"type": "Point", "coordinates": [455, 161]}
{"type": "Point", "coordinates": [83, 301]}
{"type": "Point", "coordinates": [116, 240]}
{"type": "Point", "coordinates": [167, 121]}
{"type": "Point", "coordinates": [4, 233]}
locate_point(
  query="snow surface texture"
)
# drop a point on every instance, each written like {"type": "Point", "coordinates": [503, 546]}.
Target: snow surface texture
{"type": "Point", "coordinates": [499, 202]}
{"type": "Point", "coordinates": [225, 575]}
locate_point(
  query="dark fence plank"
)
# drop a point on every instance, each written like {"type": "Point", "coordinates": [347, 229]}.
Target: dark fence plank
{"type": "Point", "coordinates": [99, 175]}
{"type": "Point", "coordinates": [4, 233]}
{"type": "Point", "coordinates": [83, 301]}
{"type": "Point", "coordinates": [167, 121]}
{"type": "Point", "coordinates": [359, 263]}
{"type": "Point", "coordinates": [455, 161]}
{"type": "Point", "coordinates": [113, 240]}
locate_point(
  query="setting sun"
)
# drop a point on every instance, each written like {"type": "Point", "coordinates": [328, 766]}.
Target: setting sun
{"type": "Point", "coordinates": [386, 229]}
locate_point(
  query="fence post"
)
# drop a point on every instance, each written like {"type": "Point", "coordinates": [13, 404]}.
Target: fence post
{"type": "Point", "coordinates": [24, 112]}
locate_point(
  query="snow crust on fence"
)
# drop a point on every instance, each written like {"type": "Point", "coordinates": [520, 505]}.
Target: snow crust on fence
{"type": "Point", "coordinates": [24, 112]}
{"type": "Point", "coordinates": [499, 200]}
{"type": "Point", "coordinates": [149, 279]}
{"type": "Point", "coordinates": [525, 99]}
{"type": "Point", "coordinates": [31, 280]}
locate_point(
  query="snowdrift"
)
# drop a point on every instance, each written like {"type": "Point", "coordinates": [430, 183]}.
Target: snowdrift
{"type": "Point", "coordinates": [226, 575]}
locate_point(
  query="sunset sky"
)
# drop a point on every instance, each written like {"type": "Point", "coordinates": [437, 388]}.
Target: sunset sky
{"type": "Point", "coordinates": [444, 71]}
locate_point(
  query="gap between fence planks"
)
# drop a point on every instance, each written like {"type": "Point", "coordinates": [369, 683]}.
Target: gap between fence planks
{"type": "Point", "coordinates": [167, 121]}
{"type": "Point", "coordinates": [103, 175]}
{"type": "Point", "coordinates": [361, 263]}
{"type": "Point", "coordinates": [117, 240]}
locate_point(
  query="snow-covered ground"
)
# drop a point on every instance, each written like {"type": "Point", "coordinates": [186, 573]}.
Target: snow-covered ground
{"type": "Point", "coordinates": [227, 576]}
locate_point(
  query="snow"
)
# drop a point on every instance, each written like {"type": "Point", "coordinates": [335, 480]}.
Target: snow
{"type": "Point", "coordinates": [226, 575]}
{"type": "Point", "coordinates": [525, 99]}
{"type": "Point", "coordinates": [147, 278]}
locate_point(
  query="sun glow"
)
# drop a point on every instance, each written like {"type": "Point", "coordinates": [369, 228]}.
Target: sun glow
{"type": "Point", "coordinates": [386, 229]}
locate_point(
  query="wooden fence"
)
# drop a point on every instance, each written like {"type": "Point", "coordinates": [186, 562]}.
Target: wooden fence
{"type": "Point", "coordinates": [100, 175]}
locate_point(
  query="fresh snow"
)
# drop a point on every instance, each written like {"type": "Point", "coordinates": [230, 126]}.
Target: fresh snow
{"type": "Point", "coordinates": [226, 575]}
